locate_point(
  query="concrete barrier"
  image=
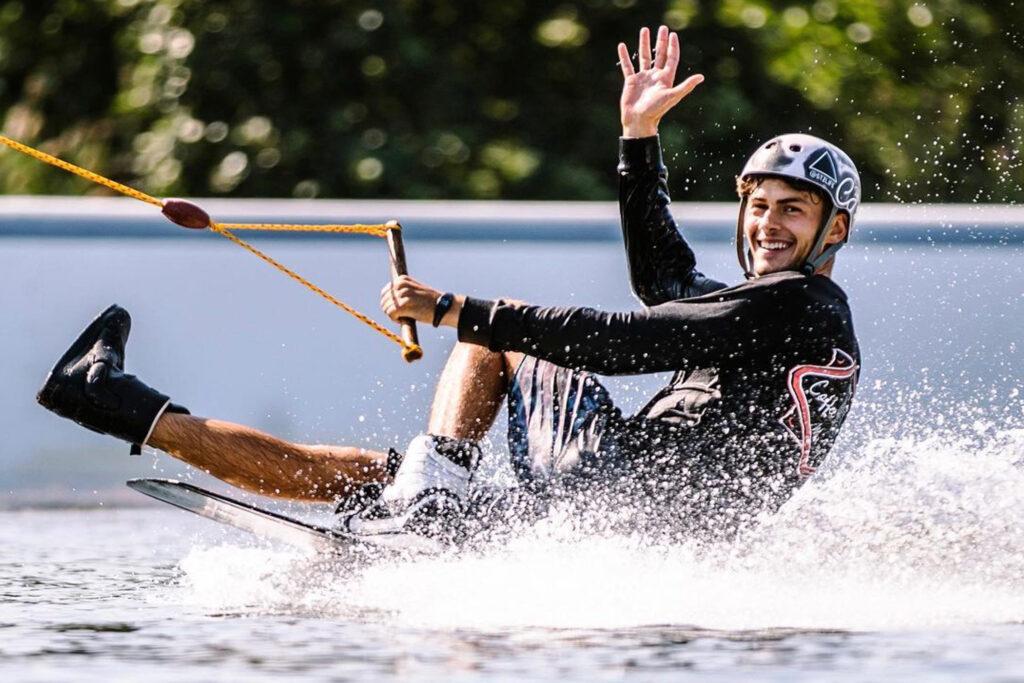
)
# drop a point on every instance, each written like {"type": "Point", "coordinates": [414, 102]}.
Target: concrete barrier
{"type": "Point", "coordinates": [65, 217]}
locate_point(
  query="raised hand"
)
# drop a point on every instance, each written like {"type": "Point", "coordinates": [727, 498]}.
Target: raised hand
{"type": "Point", "coordinates": [648, 94]}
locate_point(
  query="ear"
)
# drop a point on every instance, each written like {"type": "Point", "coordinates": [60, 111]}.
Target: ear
{"type": "Point", "coordinates": [840, 228]}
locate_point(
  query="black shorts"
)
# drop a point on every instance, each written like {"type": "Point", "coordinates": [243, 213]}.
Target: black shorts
{"type": "Point", "coordinates": [561, 422]}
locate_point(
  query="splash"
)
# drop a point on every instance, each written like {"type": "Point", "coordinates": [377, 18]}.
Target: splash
{"type": "Point", "coordinates": [909, 532]}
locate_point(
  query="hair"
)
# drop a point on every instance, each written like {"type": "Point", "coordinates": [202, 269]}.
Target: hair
{"type": "Point", "coordinates": [745, 186]}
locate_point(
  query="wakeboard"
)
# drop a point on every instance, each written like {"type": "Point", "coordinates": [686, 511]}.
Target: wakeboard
{"type": "Point", "coordinates": [277, 527]}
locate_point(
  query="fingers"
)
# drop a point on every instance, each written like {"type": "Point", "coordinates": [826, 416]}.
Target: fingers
{"type": "Point", "coordinates": [666, 46]}
{"type": "Point", "coordinates": [644, 58]}
{"type": "Point", "coordinates": [396, 294]}
{"type": "Point", "coordinates": [625, 61]}
{"type": "Point", "coordinates": [672, 56]}
{"type": "Point", "coordinates": [387, 300]}
{"type": "Point", "coordinates": [661, 48]}
{"type": "Point", "coordinates": [405, 297]}
{"type": "Point", "coordinates": [685, 88]}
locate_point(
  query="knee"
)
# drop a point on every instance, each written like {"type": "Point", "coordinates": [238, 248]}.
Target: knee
{"type": "Point", "coordinates": [478, 361]}
{"type": "Point", "coordinates": [473, 357]}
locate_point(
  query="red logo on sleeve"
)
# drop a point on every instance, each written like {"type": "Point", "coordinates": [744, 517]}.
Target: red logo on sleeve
{"type": "Point", "coordinates": [816, 392]}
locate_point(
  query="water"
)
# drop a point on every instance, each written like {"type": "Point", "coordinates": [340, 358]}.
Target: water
{"type": "Point", "coordinates": [863, 576]}
{"type": "Point", "coordinates": [900, 561]}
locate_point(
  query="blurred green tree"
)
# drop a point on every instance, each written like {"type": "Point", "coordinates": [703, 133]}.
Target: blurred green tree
{"type": "Point", "coordinates": [513, 99]}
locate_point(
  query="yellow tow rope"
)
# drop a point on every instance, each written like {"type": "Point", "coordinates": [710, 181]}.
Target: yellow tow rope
{"type": "Point", "coordinates": [189, 215]}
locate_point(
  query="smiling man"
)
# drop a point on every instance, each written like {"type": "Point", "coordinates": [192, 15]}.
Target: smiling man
{"type": "Point", "coordinates": [763, 372]}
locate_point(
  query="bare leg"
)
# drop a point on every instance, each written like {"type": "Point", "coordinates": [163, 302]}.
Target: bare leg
{"type": "Point", "coordinates": [261, 463]}
{"type": "Point", "coordinates": [470, 391]}
{"type": "Point", "coordinates": [468, 396]}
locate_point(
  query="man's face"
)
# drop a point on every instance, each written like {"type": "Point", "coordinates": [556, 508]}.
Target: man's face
{"type": "Point", "coordinates": [780, 224]}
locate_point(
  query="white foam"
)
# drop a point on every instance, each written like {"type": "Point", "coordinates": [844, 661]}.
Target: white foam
{"type": "Point", "coordinates": [905, 533]}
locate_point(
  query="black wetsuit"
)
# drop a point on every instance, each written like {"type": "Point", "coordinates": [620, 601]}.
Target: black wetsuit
{"type": "Point", "coordinates": [764, 371]}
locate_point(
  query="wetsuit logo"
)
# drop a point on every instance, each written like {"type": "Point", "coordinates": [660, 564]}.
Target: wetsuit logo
{"type": "Point", "coordinates": [817, 397]}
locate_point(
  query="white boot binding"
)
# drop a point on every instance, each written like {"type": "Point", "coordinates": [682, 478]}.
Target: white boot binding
{"type": "Point", "coordinates": [427, 492]}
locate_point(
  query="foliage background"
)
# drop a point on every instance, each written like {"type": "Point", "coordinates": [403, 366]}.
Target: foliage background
{"type": "Point", "coordinates": [509, 99]}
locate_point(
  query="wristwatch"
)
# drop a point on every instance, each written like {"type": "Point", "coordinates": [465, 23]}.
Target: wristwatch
{"type": "Point", "coordinates": [442, 306]}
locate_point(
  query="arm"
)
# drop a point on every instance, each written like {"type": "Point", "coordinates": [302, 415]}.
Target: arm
{"type": "Point", "coordinates": [662, 266]}
{"type": "Point", "coordinates": [661, 263]}
{"type": "Point", "coordinates": [669, 336]}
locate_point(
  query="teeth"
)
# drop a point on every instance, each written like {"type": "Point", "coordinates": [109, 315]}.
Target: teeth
{"type": "Point", "coordinates": [774, 246]}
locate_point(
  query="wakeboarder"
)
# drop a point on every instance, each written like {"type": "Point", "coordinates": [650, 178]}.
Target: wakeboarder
{"type": "Point", "coordinates": [764, 372]}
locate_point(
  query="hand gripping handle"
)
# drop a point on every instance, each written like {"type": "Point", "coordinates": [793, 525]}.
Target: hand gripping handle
{"type": "Point", "coordinates": [396, 252]}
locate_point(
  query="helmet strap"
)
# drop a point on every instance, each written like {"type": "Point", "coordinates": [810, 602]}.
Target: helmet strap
{"type": "Point", "coordinates": [813, 263]}
{"type": "Point", "coordinates": [743, 254]}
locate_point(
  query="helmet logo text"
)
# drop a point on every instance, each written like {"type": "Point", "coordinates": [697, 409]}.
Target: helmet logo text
{"type": "Point", "coordinates": [846, 195]}
{"type": "Point", "coordinates": [823, 169]}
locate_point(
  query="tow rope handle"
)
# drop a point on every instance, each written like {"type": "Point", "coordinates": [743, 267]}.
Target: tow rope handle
{"type": "Point", "coordinates": [411, 349]}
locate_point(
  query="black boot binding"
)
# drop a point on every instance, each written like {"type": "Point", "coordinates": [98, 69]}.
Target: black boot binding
{"type": "Point", "coordinates": [88, 384]}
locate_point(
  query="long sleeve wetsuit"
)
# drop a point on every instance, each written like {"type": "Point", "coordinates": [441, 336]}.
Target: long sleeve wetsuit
{"type": "Point", "coordinates": [765, 371]}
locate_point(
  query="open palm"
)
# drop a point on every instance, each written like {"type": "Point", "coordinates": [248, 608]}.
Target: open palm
{"type": "Point", "coordinates": [648, 93]}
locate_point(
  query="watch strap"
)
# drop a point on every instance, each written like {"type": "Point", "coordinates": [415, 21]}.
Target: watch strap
{"type": "Point", "coordinates": [442, 306]}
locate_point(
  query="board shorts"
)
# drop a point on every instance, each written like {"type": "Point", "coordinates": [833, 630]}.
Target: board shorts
{"type": "Point", "coordinates": [562, 423]}
{"type": "Point", "coordinates": [566, 436]}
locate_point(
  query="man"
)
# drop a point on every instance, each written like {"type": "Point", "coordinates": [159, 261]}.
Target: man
{"type": "Point", "coordinates": [764, 371]}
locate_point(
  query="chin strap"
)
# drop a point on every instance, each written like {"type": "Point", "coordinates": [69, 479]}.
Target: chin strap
{"type": "Point", "coordinates": [743, 254]}
{"type": "Point", "coordinates": [813, 263]}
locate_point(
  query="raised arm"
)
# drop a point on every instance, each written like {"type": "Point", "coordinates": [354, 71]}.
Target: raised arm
{"type": "Point", "coordinates": [662, 267]}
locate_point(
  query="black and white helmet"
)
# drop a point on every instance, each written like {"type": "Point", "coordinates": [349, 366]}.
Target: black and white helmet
{"type": "Point", "coordinates": [811, 160]}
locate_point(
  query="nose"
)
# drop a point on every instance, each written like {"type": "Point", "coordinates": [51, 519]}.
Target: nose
{"type": "Point", "coordinates": [768, 221]}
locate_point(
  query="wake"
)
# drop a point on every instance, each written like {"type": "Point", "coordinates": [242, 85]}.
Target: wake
{"type": "Point", "coordinates": [923, 531]}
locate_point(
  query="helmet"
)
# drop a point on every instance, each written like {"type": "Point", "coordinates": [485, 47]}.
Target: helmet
{"type": "Point", "coordinates": [814, 161]}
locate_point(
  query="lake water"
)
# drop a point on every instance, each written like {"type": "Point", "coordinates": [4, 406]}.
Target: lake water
{"type": "Point", "coordinates": [901, 560]}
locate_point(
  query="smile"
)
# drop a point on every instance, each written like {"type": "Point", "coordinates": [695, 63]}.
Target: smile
{"type": "Point", "coordinates": [773, 245]}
